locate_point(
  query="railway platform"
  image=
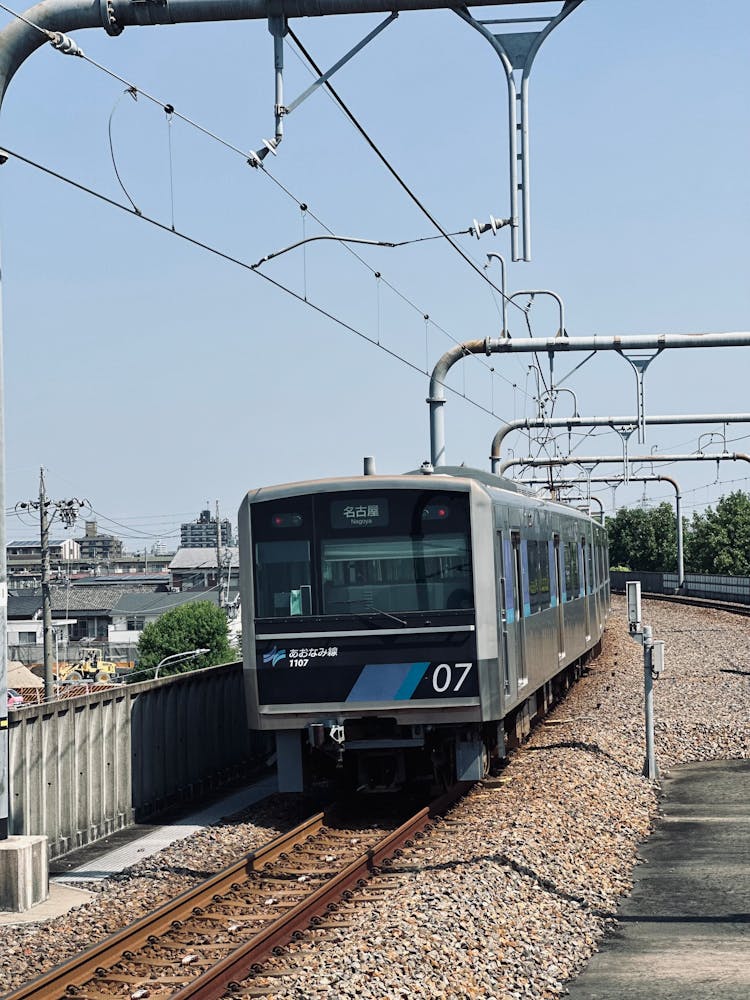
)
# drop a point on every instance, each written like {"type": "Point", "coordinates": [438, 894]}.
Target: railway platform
{"type": "Point", "coordinates": [685, 929]}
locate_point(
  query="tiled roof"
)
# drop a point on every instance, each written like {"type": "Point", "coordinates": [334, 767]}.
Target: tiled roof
{"type": "Point", "coordinates": [141, 604]}
{"type": "Point", "coordinates": [196, 558]}
{"type": "Point", "coordinates": [34, 543]}
{"type": "Point", "coordinates": [79, 599]}
{"type": "Point", "coordinates": [24, 606]}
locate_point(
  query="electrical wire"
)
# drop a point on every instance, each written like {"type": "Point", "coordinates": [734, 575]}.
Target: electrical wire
{"type": "Point", "coordinates": [133, 533]}
{"type": "Point", "coordinates": [392, 170]}
{"type": "Point", "coordinates": [171, 112]}
{"type": "Point", "coordinates": [200, 244]}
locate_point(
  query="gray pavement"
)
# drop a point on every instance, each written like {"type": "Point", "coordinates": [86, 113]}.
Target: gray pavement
{"type": "Point", "coordinates": [115, 853]}
{"type": "Point", "coordinates": [101, 865]}
{"type": "Point", "coordinates": [684, 932]}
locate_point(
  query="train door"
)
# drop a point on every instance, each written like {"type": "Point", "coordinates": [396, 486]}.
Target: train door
{"type": "Point", "coordinates": [506, 611]}
{"type": "Point", "coordinates": [560, 591]}
{"type": "Point", "coordinates": [586, 578]}
{"type": "Point", "coordinates": [518, 601]}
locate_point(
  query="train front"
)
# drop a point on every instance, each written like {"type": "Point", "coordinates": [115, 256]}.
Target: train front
{"type": "Point", "coordinates": [359, 631]}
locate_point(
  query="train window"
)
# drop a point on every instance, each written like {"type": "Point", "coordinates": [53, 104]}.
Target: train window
{"type": "Point", "coordinates": [533, 563]}
{"type": "Point", "coordinates": [586, 549]}
{"type": "Point", "coordinates": [572, 572]}
{"type": "Point", "coordinates": [283, 578]}
{"type": "Point", "coordinates": [544, 583]}
{"type": "Point", "coordinates": [539, 586]}
{"type": "Point", "coordinates": [427, 573]}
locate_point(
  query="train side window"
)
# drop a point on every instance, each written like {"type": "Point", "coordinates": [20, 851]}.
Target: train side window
{"type": "Point", "coordinates": [589, 577]}
{"type": "Point", "coordinates": [572, 572]}
{"type": "Point", "coordinates": [521, 574]}
{"type": "Point", "coordinates": [539, 585]}
{"type": "Point", "coordinates": [532, 549]}
{"type": "Point", "coordinates": [509, 577]}
{"type": "Point", "coordinates": [544, 576]}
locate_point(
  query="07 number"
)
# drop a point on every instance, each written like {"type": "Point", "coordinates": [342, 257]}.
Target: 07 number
{"type": "Point", "coordinates": [448, 678]}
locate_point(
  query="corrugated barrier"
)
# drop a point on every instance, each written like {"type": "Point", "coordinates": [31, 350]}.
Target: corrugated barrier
{"type": "Point", "coordinates": [83, 767]}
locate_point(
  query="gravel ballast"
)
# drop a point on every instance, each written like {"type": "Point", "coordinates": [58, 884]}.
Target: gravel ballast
{"type": "Point", "coordinates": [509, 895]}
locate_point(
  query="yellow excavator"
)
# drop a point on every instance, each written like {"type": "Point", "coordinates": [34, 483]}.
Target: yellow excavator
{"type": "Point", "coordinates": [91, 667]}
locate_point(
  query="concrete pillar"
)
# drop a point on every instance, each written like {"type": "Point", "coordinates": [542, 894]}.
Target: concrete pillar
{"type": "Point", "coordinates": [24, 873]}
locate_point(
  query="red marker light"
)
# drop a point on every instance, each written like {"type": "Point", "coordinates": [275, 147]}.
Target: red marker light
{"type": "Point", "coordinates": [286, 520]}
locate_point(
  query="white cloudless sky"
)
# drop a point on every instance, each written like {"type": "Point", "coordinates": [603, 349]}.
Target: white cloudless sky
{"type": "Point", "coordinates": [149, 376]}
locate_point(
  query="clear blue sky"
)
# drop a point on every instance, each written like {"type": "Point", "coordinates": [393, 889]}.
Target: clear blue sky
{"type": "Point", "coordinates": [149, 377]}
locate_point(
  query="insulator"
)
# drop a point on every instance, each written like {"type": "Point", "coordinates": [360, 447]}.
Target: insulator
{"type": "Point", "coordinates": [64, 44]}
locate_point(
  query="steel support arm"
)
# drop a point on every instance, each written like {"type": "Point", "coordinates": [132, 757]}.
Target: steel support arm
{"type": "Point", "coordinates": [19, 39]}
{"type": "Point", "coordinates": [569, 422]}
{"type": "Point", "coordinates": [585, 460]}
{"type": "Point", "coordinates": [552, 345]}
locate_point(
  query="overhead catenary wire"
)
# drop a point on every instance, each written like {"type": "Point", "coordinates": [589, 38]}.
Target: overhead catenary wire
{"type": "Point", "coordinates": [392, 170]}
{"type": "Point", "coordinates": [171, 112]}
{"type": "Point", "coordinates": [223, 255]}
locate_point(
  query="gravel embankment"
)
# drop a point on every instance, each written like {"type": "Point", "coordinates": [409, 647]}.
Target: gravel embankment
{"type": "Point", "coordinates": [509, 896]}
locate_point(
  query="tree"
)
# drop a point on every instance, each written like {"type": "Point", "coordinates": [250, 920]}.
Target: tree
{"type": "Point", "coordinates": [643, 539]}
{"type": "Point", "coordinates": [198, 625]}
{"type": "Point", "coordinates": [719, 540]}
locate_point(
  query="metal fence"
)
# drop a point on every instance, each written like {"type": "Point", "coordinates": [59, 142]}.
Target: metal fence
{"type": "Point", "coordinates": [710, 586]}
{"type": "Point", "coordinates": [87, 766]}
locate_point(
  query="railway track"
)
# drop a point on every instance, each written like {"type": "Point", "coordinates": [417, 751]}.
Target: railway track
{"type": "Point", "coordinates": [208, 939]}
{"type": "Point", "coordinates": [698, 602]}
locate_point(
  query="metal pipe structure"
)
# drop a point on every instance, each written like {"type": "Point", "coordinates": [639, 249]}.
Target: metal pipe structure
{"type": "Point", "coordinates": [618, 481]}
{"type": "Point", "coordinates": [517, 53]}
{"type": "Point", "coordinates": [504, 297]}
{"type": "Point", "coordinates": [506, 345]}
{"type": "Point", "coordinates": [588, 500]}
{"type": "Point", "coordinates": [18, 39]}
{"type": "Point", "coordinates": [592, 460]}
{"type": "Point", "coordinates": [613, 422]}
{"type": "Point", "coordinates": [553, 295]}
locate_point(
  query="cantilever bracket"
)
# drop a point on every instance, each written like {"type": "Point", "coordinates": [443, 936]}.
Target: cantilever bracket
{"type": "Point", "coordinates": [625, 433]}
{"type": "Point", "coordinates": [517, 51]}
{"type": "Point", "coordinates": [639, 362]}
{"type": "Point", "coordinates": [279, 28]}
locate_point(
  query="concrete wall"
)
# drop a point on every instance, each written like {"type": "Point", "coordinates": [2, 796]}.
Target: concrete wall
{"type": "Point", "coordinates": [84, 767]}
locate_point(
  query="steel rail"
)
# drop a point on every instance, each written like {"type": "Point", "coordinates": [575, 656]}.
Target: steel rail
{"type": "Point", "coordinates": [696, 602]}
{"type": "Point", "coordinates": [83, 967]}
{"type": "Point", "coordinates": [312, 910]}
{"type": "Point", "coordinates": [244, 960]}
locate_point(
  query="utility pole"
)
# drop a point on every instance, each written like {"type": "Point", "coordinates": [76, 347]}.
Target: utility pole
{"type": "Point", "coordinates": [46, 596]}
{"type": "Point", "coordinates": [68, 512]}
{"type": "Point", "coordinates": [218, 554]}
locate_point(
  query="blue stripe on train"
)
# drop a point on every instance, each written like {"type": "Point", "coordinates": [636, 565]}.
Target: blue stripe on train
{"type": "Point", "coordinates": [387, 681]}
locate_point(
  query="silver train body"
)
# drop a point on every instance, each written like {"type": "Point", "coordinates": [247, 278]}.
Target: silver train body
{"type": "Point", "coordinates": [408, 627]}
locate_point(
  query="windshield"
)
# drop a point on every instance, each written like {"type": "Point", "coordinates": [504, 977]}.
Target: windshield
{"type": "Point", "coordinates": [396, 574]}
{"type": "Point", "coordinates": [340, 554]}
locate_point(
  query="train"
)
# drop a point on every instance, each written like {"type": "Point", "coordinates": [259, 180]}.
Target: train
{"type": "Point", "coordinates": [400, 629]}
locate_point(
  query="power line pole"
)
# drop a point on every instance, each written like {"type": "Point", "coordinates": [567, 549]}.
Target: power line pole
{"type": "Point", "coordinates": [68, 512]}
{"type": "Point", "coordinates": [218, 554]}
